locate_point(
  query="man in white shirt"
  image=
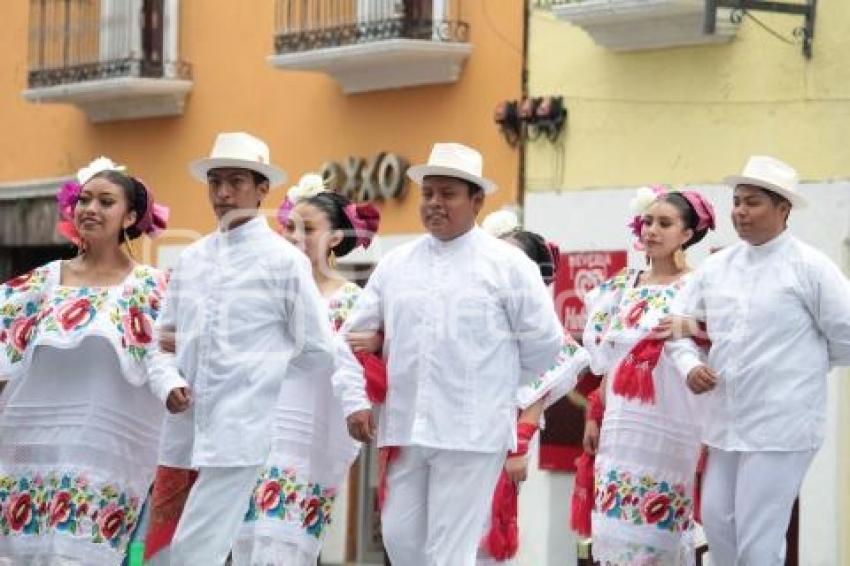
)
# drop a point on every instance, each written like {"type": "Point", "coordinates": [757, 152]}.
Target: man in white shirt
{"type": "Point", "coordinates": [245, 310]}
{"type": "Point", "coordinates": [778, 316]}
{"type": "Point", "coordinates": [466, 320]}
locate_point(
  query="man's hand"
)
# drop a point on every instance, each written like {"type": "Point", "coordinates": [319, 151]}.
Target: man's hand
{"type": "Point", "coordinates": [167, 341]}
{"type": "Point", "coordinates": [361, 425]}
{"type": "Point", "coordinates": [702, 379]}
{"type": "Point", "coordinates": [178, 400]}
{"type": "Point", "coordinates": [365, 341]}
{"type": "Point", "coordinates": [517, 468]}
{"type": "Point", "coordinates": [591, 437]}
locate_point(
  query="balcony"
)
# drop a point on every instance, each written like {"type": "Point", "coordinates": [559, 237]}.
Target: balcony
{"type": "Point", "coordinates": [114, 59]}
{"type": "Point", "coordinates": [368, 45]}
{"type": "Point", "coordinates": [629, 25]}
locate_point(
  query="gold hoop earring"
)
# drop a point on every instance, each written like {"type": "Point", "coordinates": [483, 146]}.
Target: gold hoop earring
{"type": "Point", "coordinates": [127, 245]}
{"type": "Point", "coordinates": [679, 259]}
{"type": "Point", "coordinates": [332, 260]}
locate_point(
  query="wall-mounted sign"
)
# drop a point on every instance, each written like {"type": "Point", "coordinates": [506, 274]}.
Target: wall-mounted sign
{"type": "Point", "coordinates": [578, 273]}
{"type": "Point", "coordinates": [382, 177]}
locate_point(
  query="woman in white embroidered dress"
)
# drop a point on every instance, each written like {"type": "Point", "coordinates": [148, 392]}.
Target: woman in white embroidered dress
{"type": "Point", "coordinates": [312, 451]}
{"type": "Point", "coordinates": [80, 417]}
{"type": "Point", "coordinates": [649, 444]}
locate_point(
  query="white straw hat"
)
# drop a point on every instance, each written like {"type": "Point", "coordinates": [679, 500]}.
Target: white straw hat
{"type": "Point", "coordinates": [239, 150]}
{"type": "Point", "coordinates": [453, 160]}
{"type": "Point", "coordinates": [772, 175]}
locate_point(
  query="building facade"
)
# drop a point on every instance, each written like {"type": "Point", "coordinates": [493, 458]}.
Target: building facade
{"type": "Point", "coordinates": [652, 98]}
{"type": "Point", "coordinates": [356, 89]}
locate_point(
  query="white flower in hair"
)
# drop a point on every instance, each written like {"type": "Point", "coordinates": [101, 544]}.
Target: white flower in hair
{"type": "Point", "coordinates": [500, 222]}
{"type": "Point", "coordinates": [98, 165]}
{"type": "Point", "coordinates": [643, 200]}
{"type": "Point", "coordinates": [309, 185]}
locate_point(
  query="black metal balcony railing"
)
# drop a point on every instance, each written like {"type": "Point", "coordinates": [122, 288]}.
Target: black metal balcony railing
{"type": "Point", "coordinates": [73, 41]}
{"type": "Point", "coordinates": [302, 25]}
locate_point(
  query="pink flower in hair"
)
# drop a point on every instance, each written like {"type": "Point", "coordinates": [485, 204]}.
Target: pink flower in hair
{"type": "Point", "coordinates": [67, 198]}
{"type": "Point", "coordinates": [365, 219]}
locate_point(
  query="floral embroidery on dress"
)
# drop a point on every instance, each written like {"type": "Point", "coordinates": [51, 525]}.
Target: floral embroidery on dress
{"type": "Point", "coordinates": [643, 500]}
{"type": "Point", "coordinates": [281, 495]}
{"type": "Point", "coordinates": [28, 309]}
{"type": "Point", "coordinates": [20, 312]}
{"type": "Point", "coordinates": [604, 301]}
{"type": "Point", "coordinates": [137, 309]}
{"type": "Point", "coordinates": [69, 504]}
{"type": "Point", "coordinates": [72, 309]}
{"type": "Point", "coordinates": [640, 301]}
{"type": "Point", "coordinates": [339, 307]}
{"type": "Point", "coordinates": [567, 351]}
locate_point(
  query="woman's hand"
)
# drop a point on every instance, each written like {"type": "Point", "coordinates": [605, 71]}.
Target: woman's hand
{"type": "Point", "coordinates": [365, 341]}
{"type": "Point", "coordinates": [591, 437]}
{"type": "Point", "coordinates": [675, 327]}
{"type": "Point", "coordinates": [517, 468]}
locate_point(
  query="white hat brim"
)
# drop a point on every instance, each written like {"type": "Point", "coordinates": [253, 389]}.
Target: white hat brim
{"type": "Point", "coordinates": [200, 167]}
{"type": "Point", "coordinates": [417, 174]}
{"type": "Point", "coordinates": [796, 199]}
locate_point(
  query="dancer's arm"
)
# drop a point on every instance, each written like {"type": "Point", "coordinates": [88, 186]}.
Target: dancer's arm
{"type": "Point", "coordinates": [516, 465]}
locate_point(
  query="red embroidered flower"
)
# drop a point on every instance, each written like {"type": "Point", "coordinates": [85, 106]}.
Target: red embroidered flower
{"type": "Point", "coordinates": [138, 329]}
{"type": "Point", "coordinates": [110, 521]}
{"type": "Point", "coordinates": [74, 313]}
{"type": "Point", "coordinates": [20, 280]}
{"type": "Point", "coordinates": [609, 497]}
{"type": "Point", "coordinates": [19, 511]}
{"type": "Point", "coordinates": [311, 512]}
{"type": "Point", "coordinates": [60, 508]}
{"type": "Point", "coordinates": [634, 314]}
{"type": "Point", "coordinates": [655, 508]}
{"type": "Point", "coordinates": [268, 495]}
{"type": "Point", "coordinates": [83, 509]}
{"type": "Point", "coordinates": [21, 331]}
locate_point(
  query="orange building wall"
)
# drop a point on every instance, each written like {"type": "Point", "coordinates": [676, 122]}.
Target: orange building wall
{"type": "Point", "coordinates": [304, 116]}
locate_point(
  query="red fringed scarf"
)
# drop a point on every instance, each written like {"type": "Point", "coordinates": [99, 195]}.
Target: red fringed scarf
{"type": "Point", "coordinates": [584, 490]}
{"type": "Point", "coordinates": [633, 377]}
{"type": "Point", "coordinates": [501, 541]}
{"type": "Point", "coordinates": [375, 371]}
{"type": "Point", "coordinates": [170, 491]}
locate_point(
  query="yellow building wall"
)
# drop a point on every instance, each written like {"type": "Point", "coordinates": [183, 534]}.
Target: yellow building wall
{"type": "Point", "coordinates": [303, 116]}
{"type": "Point", "coordinates": [692, 114]}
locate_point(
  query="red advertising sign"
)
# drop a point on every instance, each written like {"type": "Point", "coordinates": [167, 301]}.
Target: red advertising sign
{"type": "Point", "coordinates": [578, 273]}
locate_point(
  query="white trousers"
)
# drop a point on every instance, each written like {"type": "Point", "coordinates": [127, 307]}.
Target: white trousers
{"type": "Point", "coordinates": [437, 504]}
{"type": "Point", "coordinates": [266, 551]}
{"type": "Point", "coordinates": [213, 515]}
{"type": "Point", "coordinates": [747, 498]}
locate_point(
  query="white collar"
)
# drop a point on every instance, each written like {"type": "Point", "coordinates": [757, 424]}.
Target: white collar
{"type": "Point", "coordinates": [244, 232]}
{"type": "Point", "coordinates": [767, 248]}
{"type": "Point", "coordinates": [443, 246]}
